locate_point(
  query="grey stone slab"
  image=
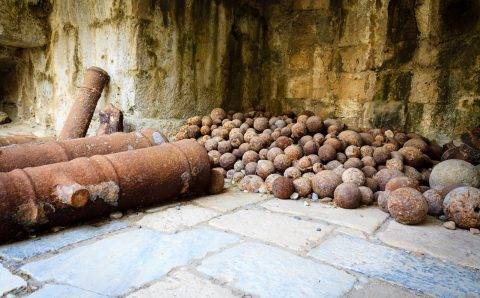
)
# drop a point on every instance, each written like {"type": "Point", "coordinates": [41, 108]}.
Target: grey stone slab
{"type": "Point", "coordinates": [37, 246]}
{"type": "Point", "coordinates": [62, 291]}
{"type": "Point", "coordinates": [120, 263]}
{"type": "Point", "coordinates": [268, 271]}
{"type": "Point", "coordinates": [9, 282]}
{"type": "Point", "coordinates": [378, 289]}
{"type": "Point", "coordinates": [434, 239]}
{"type": "Point", "coordinates": [281, 229]}
{"type": "Point", "coordinates": [427, 275]}
{"type": "Point", "coordinates": [230, 200]}
{"type": "Point", "coordinates": [183, 284]}
{"type": "Point", "coordinates": [366, 219]}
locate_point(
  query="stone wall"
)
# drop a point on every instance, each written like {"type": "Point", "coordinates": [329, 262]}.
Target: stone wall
{"type": "Point", "coordinates": [410, 64]}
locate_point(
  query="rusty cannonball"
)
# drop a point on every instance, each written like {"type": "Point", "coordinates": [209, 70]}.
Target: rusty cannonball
{"type": "Point", "coordinates": [260, 124]}
{"type": "Point", "coordinates": [352, 151]}
{"type": "Point", "coordinates": [193, 131]}
{"type": "Point", "coordinates": [302, 119]}
{"type": "Point", "coordinates": [302, 186]}
{"type": "Point", "coordinates": [339, 170]}
{"type": "Point", "coordinates": [368, 161]}
{"type": "Point", "coordinates": [262, 154]}
{"type": "Point", "coordinates": [257, 143]}
{"type": "Point", "coordinates": [181, 135]}
{"type": "Point", "coordinates": [292, 172]}
{"type": "Point", "coordinates": [303, 140]}
{"type": "Point", "coordinates": [217, 181]}
{"type": "Point", "coordinates": [353, 162]}
{"type": "Point", "coordinates": [395, 164]}
{"type": "Point", "coordinates": [228, 125]}
{"type": "Point", "coordinates": [265, 168]}
{"type": "Point", "coordinates": [275, 135]}
{"type": "Point", "coordinates": [282, 162]}
{"type": "Point", "coordinates": [412, 172]}
{"type": "Point", "coordinates": [327, 153]}
{"type": "Point", "coordinates": [366, 195]}
{"type": "Point", "coordinates": [238, 116]}
{"type": "Point", "coordinates": [295, 152]}
{"type": "Point", "coordinates": [207, 121]}
{"type": "Point", "coordinates": [236, 138]}
{"type": "Point", "coordinates": [269, 181]}
{"type": "Point", "coordinates": [217, 115]}
{"type": "Point", "coordinates": [407, 206]}
{"type": "Point", "coordinates": [319, 139]}
{"type": "Point", "coordinates": [317, 167]}
{"type": "Point", "coordinates": [382, 200]}
{"type": "Point", "coordinates": [347, 195]}
{"type": "Point", "coordinates": [220, 132]}
{"type": "Point", "coordinates": [251, 168]}
{"type": "Point", "coordinates": [341, 157]}
{"type": "Point", "coordinates": [435, 201]}
{"type": "Point", "coordinates": [367, 138]}
{"type": "Point", "coordinates": [214, 157]}
{"type": "Point", "coordinates": [244, 127]}
{"type": "Point", "coordinates": [350, 137]}
{"type": "Point", "coordinates": [412, 156]}
{"type": "Point", "coordinates": [250, 156]}
{"type": "Point", "coordinates": [369, 171]}
{"type": "Point", "coordinates": [224, 147]}
{"type": "Point", "coordinates": [310, 147]}
{"type": "Point", "coordinates": [283, 142]}
{"type": "Point", "coordinates": [251, 183]}
{"type": "Point", "coordinates": [325, 182]}
{"type": "Point", "coordinates": [402, 181]}
{"type": "Point", "coordinates": [273, 152]}
{"type": "Point", "coordinates": [195, 120]}
{"type": "Point", "coordinates": [314, 124]}
{"type": "Point", "coordinates": [417, 143]}
{"type": "Point", "coordinates": [286, 131]}
{"type": "Point", "coordinates": [283, 188]}
{"type": "Point", "coordinates": [205, 130]}
{"type": "Point", "coordinates": [335, 143]}
{"type": "Point", "coordinates": [237, 177]}
{"type": "Point", "coordinates": [462, 205]}
{"type": "Point", "coordinates": [238, 166]}
{"type": "Point", "coordinates": [353, 175]}
{"type": "Point", "coordinates": [248, 135]}
{"type": "Point", "coordinates": [366, 151]}
{"type": "Point", "coordinates": [380, 155]}
{"type": "Point", "coordinates": [372, 184]}
{"type": "Point", "coordinates": [384, 175]}
{"type": "Point", "coordinates": [299, 130]}
{"type": "Point", "coordinates": [211, 144]}
{"type": "Point", "coordinates": [332, 165]}
{"type": "Point", "coordinates": [304, 164]}
{"type": "Point", "coordinates": [314, 158]}
{"type": "Point", "coordinates": [227, 160]}
{"type": "Point", "coordinates": [453, 172]}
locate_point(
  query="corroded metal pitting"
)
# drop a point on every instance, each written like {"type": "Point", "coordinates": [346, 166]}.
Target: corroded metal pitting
{"type": "Point", "coordinates": [81, 113]}
{"type": "Point", "coordinates": [43, 153]}
{"type": "Point", "coordinates": [62, 193]}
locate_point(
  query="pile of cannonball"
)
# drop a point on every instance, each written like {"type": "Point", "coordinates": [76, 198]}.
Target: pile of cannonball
{"type": "Point", "coordinates": [308, 157]}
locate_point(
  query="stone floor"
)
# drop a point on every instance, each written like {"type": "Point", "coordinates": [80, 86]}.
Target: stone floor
{"type": "Point", "coordinates": [243, 244]}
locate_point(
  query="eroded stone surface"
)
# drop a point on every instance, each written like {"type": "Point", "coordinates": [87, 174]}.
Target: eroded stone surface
{"type": "Point", "coordinates": [283, 230]}
{"type": "Point", "coordinates": [8, 281]}
{"type": "Point", "coordinates": [270, 272]}
{"type": "Point", "coordinates": [366, 219]}
{"type": "Point", "coordinates": [377, 289]}
{"type": "Point", "coordinates": [427, 275]}
{"type": "Point", "coordinates": [127, 260]}
{"type": "Point", "coordinates": [229, 201]}
{"type": "Point", "coordinates": [37, 246]}
{"type": "Point", "coordinates": [173, 219]}
{"type": "Point", "coordinates": [432, 238]}
{"type": "Point", "coordinates": [183, 284]}
{"type": "Point", "coordinates": [63, 291]}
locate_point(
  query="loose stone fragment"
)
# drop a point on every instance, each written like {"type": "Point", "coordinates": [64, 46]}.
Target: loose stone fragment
{"type": "Point", "coordinates": [407, 206]}
{"type": "Point", "coordinates": [283, 188]}
{"type": "Point", "coordinates": [347, 195]}
{"type": "Point", "coordinates": [450, 225]}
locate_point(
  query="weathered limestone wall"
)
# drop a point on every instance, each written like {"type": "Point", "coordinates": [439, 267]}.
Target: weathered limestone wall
{"type": "Point", "coordinates": [167, 59]}
{"type": "Point", "coordinates": [407, 64]}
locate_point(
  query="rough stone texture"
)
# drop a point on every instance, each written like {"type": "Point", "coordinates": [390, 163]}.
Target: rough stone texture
{"type": "Point", "coordinates": [183, 284]}
{"type": "Point", "coordinates": [280, 229]}
{"type": "Point", "coordinates": [174, 219]}
{"type": "Point", "coordinates": [454, 172]}
{"type": "Point", "coordinates": [127, 260]}
{"type": "Point", "coordinates": [378, 289]}
{"type": "Point", "coordinates": [363, 219]}
{"type": "Point", "coordinates": [9, 281]}
{"type": "Point", "coordinates": [376, 62]}
{"type": "Point", "coordinates": [432, 238]}
{"type": "Point", "coordinates": [229, 201]}
{"type": "Point", "coordinates": [426, 275]}
{"type": "Point", "coordinates": [37, 246]}
{"type": "Point", "coordinates": [63, 291]}
{"type": "Point", "coordinates": [267, 271]}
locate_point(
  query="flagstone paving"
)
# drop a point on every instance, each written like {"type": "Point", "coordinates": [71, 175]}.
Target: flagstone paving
{"type": "Point", "coordinates": [240, 244]}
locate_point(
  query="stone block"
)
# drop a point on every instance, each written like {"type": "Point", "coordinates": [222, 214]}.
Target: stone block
{"type": "Point", "coordinates": [433, 239]}
{"type": "Point", "coordinates": [52, 291]}
{"type": "Point", "coordinates": [426, 275]}
{"type": "Point", "coordinates": [356, 86]}
{"type": "Point", "coordinates": [37, 246]}
{"type": "Point", "coordinates": [9, 282]}
{"type": "Point", "coordinates": [355, 58]}
{"type": "Point", "coordinates": [183, 284]}
{"type": "Point", "coordinates": [268, 271]}
{"type": "Point", "coordinates": [366, 219]}
{"type": "Point", "coordinates": [299, 87]}
{"type": "Point", "coordinates": [229, 201]}
{"type": "Point", "coordinates": [300, 59]}
{"type": "Point", "coordinates": [173, 219]}
{"type": "Point", "coordinates": [378, 289]}
{"type": "Point", "coordinates": [311, 4]}
{"type": "Point", "coordinates": [286, 231]}
{"type": "Point", "coordinates": [127, 260]}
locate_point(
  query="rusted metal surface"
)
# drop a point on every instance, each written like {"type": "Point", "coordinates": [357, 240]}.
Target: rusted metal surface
{"type": "Point", "coordinates": [20, 139]}
{"type": "Point", "coordinates": [111, 121]}
{"type": "Point", "coordinates": [43, 153]}
{"type": "Point", "coordinates": [81, 113]}
{"type": "Point", "coordinates": [62, 193]}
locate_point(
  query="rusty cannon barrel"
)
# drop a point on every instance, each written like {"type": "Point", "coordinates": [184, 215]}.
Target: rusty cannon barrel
{"type": "Point", "coordinates": [20, 139]}
{"type": "Point", "coordinates": [84, 188]}
{"type": "Point", "coordinates": [43, 153]}
{"type": "Point", "coordinates": [81, 113]}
